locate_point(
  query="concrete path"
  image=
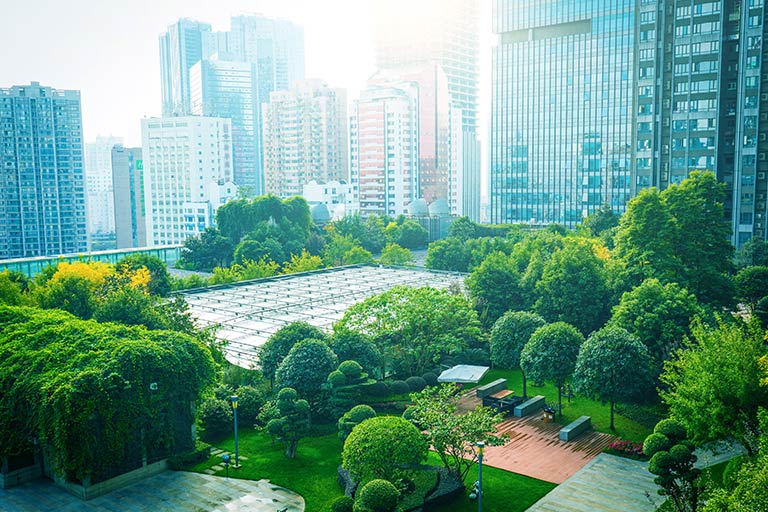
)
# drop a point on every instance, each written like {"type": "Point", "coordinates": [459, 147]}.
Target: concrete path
{"type": "Point", "coordinates": [606, 484]}
{"type": "Point", "coordinates": [171, 491]}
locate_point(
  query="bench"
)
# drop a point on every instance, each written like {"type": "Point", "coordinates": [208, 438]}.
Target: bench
{"type": "Point", "coordinates": [491, 388]}
{"type": "Point", "coordinates": [532, 405]}
{"type": "Point", "coordinates": [503, 401]}
{"type": "Point", "coordinates": [572, 430]}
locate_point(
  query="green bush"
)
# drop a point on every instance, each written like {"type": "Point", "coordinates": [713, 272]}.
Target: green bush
{"type": "Point", "coordinates": [182, 461]}
{"type": "Point", "coordinates": [731, 471]}
{"type": "Point", "coordinates": [337, 379]}
{"type": "Point", "coordinates": [377, 496]}
{"type": "Point", "coordinates": [655, 443]}
{"type": "Point", "coordinates": [250, 401]}
{"type": "Point", "coordinates": [415, 384]}
{"type": "Point", "coordinates": [377, 389]}
{"type": "Point", "coordinates": [351, 369]}
{"type": "Point", "coordinates": [398, 387]}
{"type": "Point", "coordinates": [215, 419]}
{"type": "Point", "coordinates": [343, 504]}
{"type": "Point", "coordinates": [353, 417]}
{"type": "Point", "coordinates": [430, 378]}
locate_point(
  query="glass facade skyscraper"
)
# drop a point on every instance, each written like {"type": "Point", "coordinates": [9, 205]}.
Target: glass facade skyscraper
{"type": "Point", "coordinates": [561, 116]}
{"type": "Point", "coordinates": [42, 184]}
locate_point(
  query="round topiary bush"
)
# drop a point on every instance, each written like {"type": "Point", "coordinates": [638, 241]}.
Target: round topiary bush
{"type": "Point", "coordinates": [655, 443]}
{"type": "Point", "coordinates": [343, 504]}
{"type": "Point", "coordinates": [377, 496]}
{"type": "Point", "coordinates": [351, 369]}
{"type": "Point", "coordinates": [337, 379]}
{"type": "Point", "coordinates": [430, 378]}
{"type": "Point", "coordinates": [398, 387]}
{"type": "Point", "coordinates": [415, 384]}
{"type": "Point", "coordinates": [378, 388]}
{"type": "Point", "coordinates": [353, 417]}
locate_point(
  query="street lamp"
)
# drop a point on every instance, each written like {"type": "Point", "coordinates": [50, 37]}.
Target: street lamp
{"type": "Point", "coordinates": [480, 448]}
{"type": "Point", "coordinates": [234, 409]}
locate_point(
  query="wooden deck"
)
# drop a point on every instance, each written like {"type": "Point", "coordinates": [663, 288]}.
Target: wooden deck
{"type": "Point", "coordinates": [534, 448]}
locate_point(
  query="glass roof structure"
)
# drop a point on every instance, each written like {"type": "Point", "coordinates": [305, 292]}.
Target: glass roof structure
{"type": "Point", "coordinates": [246, 314]}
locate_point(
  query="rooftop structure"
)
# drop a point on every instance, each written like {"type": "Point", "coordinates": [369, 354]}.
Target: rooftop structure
{"type": "Point", "coordinates": [248, 313]}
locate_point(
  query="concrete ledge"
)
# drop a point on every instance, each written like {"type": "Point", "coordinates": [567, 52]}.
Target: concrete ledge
{"type": "Point", "coordinates": [491, 388]}
{"type": "Point", "coordinates": [573, 430]}
{"type": "Point", "coordinates": [534, 404]}
{"type": "Point", "coordinates": [87, 492]}
{"type": "Point", "coordinates": [20, 476]}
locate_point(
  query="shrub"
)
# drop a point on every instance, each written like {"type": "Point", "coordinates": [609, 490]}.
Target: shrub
{"type": "Point", "coordinates": [352, 418]}
{"type": "Point", "coordinates": [398, 387]}
{"type": "Point", "coordinates": [181, 461]}
{"type": "Point", "coordinates": [415, 384]}
{"type": "Point", "coordinates": [378, 388]}
{"type": "Point", "coordinates": [343, 504]}
{"type": "Point", "coordinates": [337, 379]}
{"type": "Point", "coordinates": [215, 419]}
{"type": "Point", "coordinates": [377, 496]}
{"type": "Point", "coordinates": [250, 401]}
{"type": "Point", "coordinates": [656, 442]}
{"type": "Point", "coordinates": [351, 369]}
{"type": "Point", "coordinates": [731, 471]}
{"type": "Point", "coordinates": [430, 378]}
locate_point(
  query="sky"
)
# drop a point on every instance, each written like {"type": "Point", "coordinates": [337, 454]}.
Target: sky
{"type": "Point", "coordinates": [108, 49]}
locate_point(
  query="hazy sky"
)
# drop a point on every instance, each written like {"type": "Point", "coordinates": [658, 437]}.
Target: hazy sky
{"type": "Point", "coordinates": [108, 49]}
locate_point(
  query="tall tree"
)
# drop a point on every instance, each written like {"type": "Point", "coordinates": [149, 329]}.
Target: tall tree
{"type": "Point", "coordinates": [509, 335]}
{"type": "Point", "coordinates": [551, 355]}
{"type": "Point", "coordinates": [306, 367]}
{"type": "Point", "coordinates": [751, 285]}
{"type": "Point", "coordinates": [495, 288]}
{"type": "Point", "coordinates": [612, 366]}
{"type": "Point", "coordinates": [206, 251]}
{"type": "Point", "coordinates": [272, 353]}
{"type": "Point", "coordinates": [448, 254]}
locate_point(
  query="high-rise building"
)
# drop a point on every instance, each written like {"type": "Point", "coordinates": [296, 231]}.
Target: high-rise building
{"type": "Point", "coordinates": [384, 147]}
{"type": "Point", "coordinates": [305, 137]}
{"type": "Point", "coordinates": [187, 175]}
{"type": "Point", "coordinates": [98, 181]}
{"type": "Point", "coordinates": [443, 31]}
{"type": "Point", "coordinates": [128, 199]}
{"type": "Point", "coordinates": [180, 48]}
{"type": "Point", "coordinates": [563, 89]}
{"type": "Point", "coordinates": [42, 184]}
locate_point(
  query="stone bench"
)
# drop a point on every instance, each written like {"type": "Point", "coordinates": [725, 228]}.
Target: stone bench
{"type": "Point", "coordinates": [532, 405]}
{"type": "Point", "coordinates": [572, 430]}
{"type": "Point", "coordinates": [491, 388]}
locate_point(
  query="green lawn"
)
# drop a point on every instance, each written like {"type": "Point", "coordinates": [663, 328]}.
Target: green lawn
{"type": "Point", "coordinates": [312, 474]}
{"type": "Point", "coordinates": [579, 406]}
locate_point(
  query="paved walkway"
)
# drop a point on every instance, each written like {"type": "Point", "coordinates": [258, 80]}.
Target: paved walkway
{"type": "Point", "coordinates": [171, 491]}
{"type": "Point", "coordinates": [606, 484]}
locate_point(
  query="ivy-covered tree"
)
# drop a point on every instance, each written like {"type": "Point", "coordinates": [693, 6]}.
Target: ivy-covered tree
{"type": "Point", "coordinates": [292, 424]}
{"type": "Point", "coordinates": [613, 365]}
{"type": "Point", "coordinates": [509, 335]}
{"type": "Point", "coordinates": [550, 355]}
{"type": "Point", "coordinates": [272, 353]}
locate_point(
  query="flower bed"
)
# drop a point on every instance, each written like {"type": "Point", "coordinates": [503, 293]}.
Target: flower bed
{"type": "Point", "coordinates": [627, 449]}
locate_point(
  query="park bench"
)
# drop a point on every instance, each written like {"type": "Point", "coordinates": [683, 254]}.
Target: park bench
{"type": "Point", "coordinates": [572, 430]}
{"type": "Point", "coordinates": [503, 401]}
{"type": "Point", "coordinates": [532, 405]}
{"type": "Point", "coordinates": [491, 388]}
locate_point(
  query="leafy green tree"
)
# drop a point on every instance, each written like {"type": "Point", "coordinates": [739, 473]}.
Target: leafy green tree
{"type": "Point", "coordinates": [753, 253]}
{"type": "Point", "coordinates": [495, 288]}
{"type": "Point", "coordinates": [417, 325]}
{"type": "Point", "coordinates": [386, 447]}
{"type": "Point", "coordinates": [463, 229]}
{"type": "Point", "coordinates": [411, 235]}
{"type": "Point", "coordinates": [306, 367]}
{"type": "Point", "coordinates": [659, 315]}
{"type": "Point", "coordinates": [336, 250]}
{"type": "Point", "coordinates": [160, 280]}
{"type": "Point", "coordinates": [234, 220]}
{"type": "Point", "coordinates": [672, 462]}
{"type": "Point", "coordinates": [551, 354]}
{"type": "Point", "coordinates": [377, 496]}
{"type": "Point", "coordinates": [215, 418]}
{"type": "Point", "coordinates": [208, 250]}
{"type": "Point", "coordinates": [368, 232]}
{"type": "Point", "coordinates": [72, 293]}
{"type": "Point", "coordinates": [509, 335]}
{"type": "Point", "coordinates": [352, 418]}
{"type": "Point", "coordinates": [272, 353]}
{"type": "Point", "coordinates": [10, 291]}
{"type": "Point", "coordinates": [253, 250]}
{"type": "Point", "coordinates": [751, 285]}
{"type": "Point", "coordinates": [449, 254]}
{"type": "Point", "coordinates": [250, 401]}
{"type": "Point", "coordinates": [395, 255]}
{"type": "Point", "coordinates": [601, 220]}
{"type": "Point", "coordinates": [354, 346]}
{"type": "Point", "coordinates": [357, 256]}
{"type": "Point", "coordinates": [292, 425]}
{"type": "Point", "coordinates": [573, 288]}
{"type": "Point", "coordinates": [480, 248]}
{"type": "Point", "coordinates": [453, 435]}
{"type": "Point", "coordinates": [714, 383]}
{"type": "Point", "coordinates": [613, 366]}
{"type": "Point", "coordinates": [304, 262]}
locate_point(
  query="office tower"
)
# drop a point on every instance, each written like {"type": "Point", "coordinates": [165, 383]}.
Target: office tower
{"type": "Point", "coordinates": [187, 175]}
{"type": "Point", "coordinates": [305, 137]}
{"type": "Point", "coordinates": [384, 148]}
{"type": "Point", "coordinates": [128, 199]}
{"type": "Point", "coordinates": [443, 31]}
{"type": "Point", "coordinates": [229, 89]}
{"type": "Point", "coordinates": [98, 182]}
{"type": "Point", "coordinates": [180, 48]}
{"type": "Point", "coordinates": [561, 112]}
{"type": "Point", "coordinates": [42, 185]}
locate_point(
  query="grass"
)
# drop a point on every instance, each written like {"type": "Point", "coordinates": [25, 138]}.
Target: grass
{"type": "Point", "coordinates": [578, 406]}
{"type": "Point", "coordinates": [313, 472]}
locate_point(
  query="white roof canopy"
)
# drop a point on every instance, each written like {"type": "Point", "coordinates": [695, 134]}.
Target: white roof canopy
{"type": "Point", "coordinates": [463, 374]}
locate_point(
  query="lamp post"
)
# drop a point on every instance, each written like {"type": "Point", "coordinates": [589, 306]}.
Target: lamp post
{"type": "Point", "coordinates": [480, 448]}
{"type": "Point", "coordinates": [234, 410]}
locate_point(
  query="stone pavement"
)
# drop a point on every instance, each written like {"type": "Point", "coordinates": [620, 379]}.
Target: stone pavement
{"type": "Point", "coordinates": [606, 484]}
{"type": "Point", "coordinates": [171, 491]}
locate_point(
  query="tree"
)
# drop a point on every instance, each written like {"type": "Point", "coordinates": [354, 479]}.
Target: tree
{"type": "Point", "coordinates": [352, 418]}
{"type": "Point", "coordinates": [215, 418]}
{"type": "Point", "coordinates": [386, 447]}
{"type": "Point", "coordinates": [411, 235]}
{"type": "Point", "coordinates": [336, 250]}
{"type": "Point", "coordinates": [751, 285]}
{"type": "Point", "coordinates": [207, 250]}
{"type": "Point", "coordinates": [354, 346]}
{"type": "Point", "coordinates": [495, 288]}
{"type": "Point", "coordinates": [453, 435]}
{"type": "Point", "coordinates": [293, 423]}
{"type": "Point", "coordinates": [10, 291]}
{"type": "Point", "coordinates": [613, 366]}
{"type": "Point", "coordinates": [601, 220]}
{"type": "Point", "coordinates": [449, 254]}
{"type": "Point", "coordinates": [357, 256]}
{"type": "Point", "coordinates": [659, 315]}
{"type": "Point", "coordinates": [463, 229]}
{"type": "Point", "coordinates": [395, 255]}
{"type": "Point", "coordinates": [573, 288]}
{"type": "Point", "coordinates": [306, 367]}
{"type": "Point", "coordinates": [672, 461]}
{"type": "Point", "coordinates": [417, 326]}
{"type": "Point", "coordinates": [160, 280]}
{"type": "Point", "coordinates": [509, 335]}
{"type": "Point", "coordinates": [305, 262]}
{"type": "Point", "coordinates": [272, 353]}
{"type": "Point", "coordinates": [753, 253]}
{"type": "Point", "coordinates": [551, 355]}
{"type": "Point", "coordinates": [714, 383]}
